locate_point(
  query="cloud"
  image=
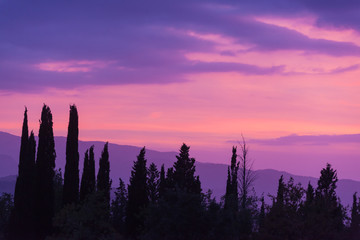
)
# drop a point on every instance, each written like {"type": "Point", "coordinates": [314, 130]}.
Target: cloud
{"type": "Point", "coordinates": [307, 140]}
{"type": "Point", "coordinates": [68, 44]}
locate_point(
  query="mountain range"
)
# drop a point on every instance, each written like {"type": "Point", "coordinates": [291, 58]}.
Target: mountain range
{"type": "Point", "coordinates": [212, 176]}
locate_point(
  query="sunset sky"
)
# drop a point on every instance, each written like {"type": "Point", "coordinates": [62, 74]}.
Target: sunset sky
{"type": "Point", "coordinates": [285, 74]}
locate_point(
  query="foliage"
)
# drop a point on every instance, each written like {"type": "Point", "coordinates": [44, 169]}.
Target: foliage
{"type": "Point", "coordinates": [6, 207]}
{"type": "Point", "coordinates": [103, 178]}
{"type": "Point", "coordinates": [45, 164]}
{"type": "Point", "coordinates": [22, 216]}
{"type": "Point", "coordinates": [118, 207]}
{"type": "Point", "coordinates": [85, 221]}
{"type": "Point", "coordinates": [153, 183]}
{"type": "Point", "coordinates": [71, 175]}
{"type": "Point", "coordinates": [88, 176]}
{"type": "Point", "coordinates": [137, 196]}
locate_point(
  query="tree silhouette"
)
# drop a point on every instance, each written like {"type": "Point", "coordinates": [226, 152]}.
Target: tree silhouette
{"type": "Point", "coordinates": [329, 213]}
{"type": "Point", "coordinates": [88, 176]}
{"type": "Point", "coordinates": [22, 216]}
{"type": "Point", "coordinates": [246, 179]}
{"type": "Point", "coordinates": [103, 177]}
{"type": "Point", "coordinates": [184, 172]}
{"type": "Point", "coordinates": [153, 183]}
{"type": "Point", "coordinates": [355, 219]}
{"type": "Point", "coordinates": [162, 182]}
{"type": "Point", "coordinates": [45, 164]}
{"type": "Point", "coordinates": [137, 196]}
{"type": "Point", "coordinates": [118, 207]}
{"type": "Point", "coordinates": [71, 175]}
{"type": "Point", "coordinates": [232, 196]}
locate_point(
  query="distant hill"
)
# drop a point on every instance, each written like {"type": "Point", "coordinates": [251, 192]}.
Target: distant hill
{"type": "Point", "coordinates": [212, 176]}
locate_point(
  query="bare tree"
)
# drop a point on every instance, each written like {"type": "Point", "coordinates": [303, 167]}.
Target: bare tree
{"type": "Point", "coordinates": [247, 175]}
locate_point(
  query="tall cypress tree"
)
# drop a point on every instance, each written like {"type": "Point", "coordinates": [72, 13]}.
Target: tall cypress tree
{"type": "Point", "coordinates": [137, 195]}
{"type": "Point", "coordinates": [71, 175]}
{"type": "Point", "coordinates": [231, 195]}
{"type": "Point", "coordinates": [22, 215]}
{"type": "Point", "coordinates": [88, 176]}
{"type": "Point", "coordinates": [84, 178]}
{"type": "Point", "coordinates": [103, 177]}
{"type": "Point", "coordinates": [92, 178]}
{"type": "Point", "coordinates": [45, 164]}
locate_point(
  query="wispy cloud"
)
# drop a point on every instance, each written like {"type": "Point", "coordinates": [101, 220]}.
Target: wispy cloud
{"type": "Point", "coordinates": [65, 45]}
{"type": "Point", "coordinates": [306, 140]}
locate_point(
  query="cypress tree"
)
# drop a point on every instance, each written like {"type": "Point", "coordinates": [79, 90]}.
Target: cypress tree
{"type": "Point", "coordinates": [137, 195]}
{"type": "Point", "coordinates": [280, 193]}
{"type": "Point", "coordinates": [231, 195]}
{"type": "Point", "coordinates": [103, 177]}
{"type": "Point", "coordinates": [45, 164]}
{"type": "Point", "coordinates": [88, 176]}
{"type": "Point", "coordinates": [84, 177]}
{"type": "Point", "coordinates": [32, 180]}
{"type": "Point", "coordinates": [92, 179]}
{"type": "Point", "coordinates": [22, 215]}
{"type": "Point", "coordinates": [71, 175]}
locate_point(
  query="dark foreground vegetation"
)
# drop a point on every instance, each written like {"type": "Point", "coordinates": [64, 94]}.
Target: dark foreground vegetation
{"type": "Point", "coordinates": [160, 203]}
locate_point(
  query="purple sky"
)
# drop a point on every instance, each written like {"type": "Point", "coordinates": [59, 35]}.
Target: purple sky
{"type": "Point", "coordinates": [159, 73]}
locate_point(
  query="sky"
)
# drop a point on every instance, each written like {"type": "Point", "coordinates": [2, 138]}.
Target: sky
{"type": "Point", "coordinates": [285, 74]}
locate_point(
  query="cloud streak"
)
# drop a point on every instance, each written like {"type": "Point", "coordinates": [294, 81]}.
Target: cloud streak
{"type": "Point", "coordinates": [307, 140]}
{"type": "Point", "coordinates": [66, 45]}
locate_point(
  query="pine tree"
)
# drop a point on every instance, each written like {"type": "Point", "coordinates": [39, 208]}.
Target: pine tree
{"type": "Point", "coordinates": [88, 176]}
{"type": "Point", "coordinates": [308, 213]}
{"type": "Point", "coordinates": [184, 172]}
{"type": "Point", "coordinates": [355, 218]}
{"type": "Point", "coordinates": [329, 212]}
{"type": "Point", "coordinates": [137, 195]}
{"type": "Point", "coordinates": [153, 183]}
{"type": "Point", "coordinates": [103, 177]}
{"type": "Point", "coordinates": [71, 175]}
{"type": "Point", "coordinates": [118, 207]}
{"type": "Point", "coordinates": [45, 164]}
{"type": "Point", "coordinates": [180, 214]}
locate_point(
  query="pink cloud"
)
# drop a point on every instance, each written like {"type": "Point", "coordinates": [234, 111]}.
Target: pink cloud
{"type": "Point", "coordinates": [71, 66]}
